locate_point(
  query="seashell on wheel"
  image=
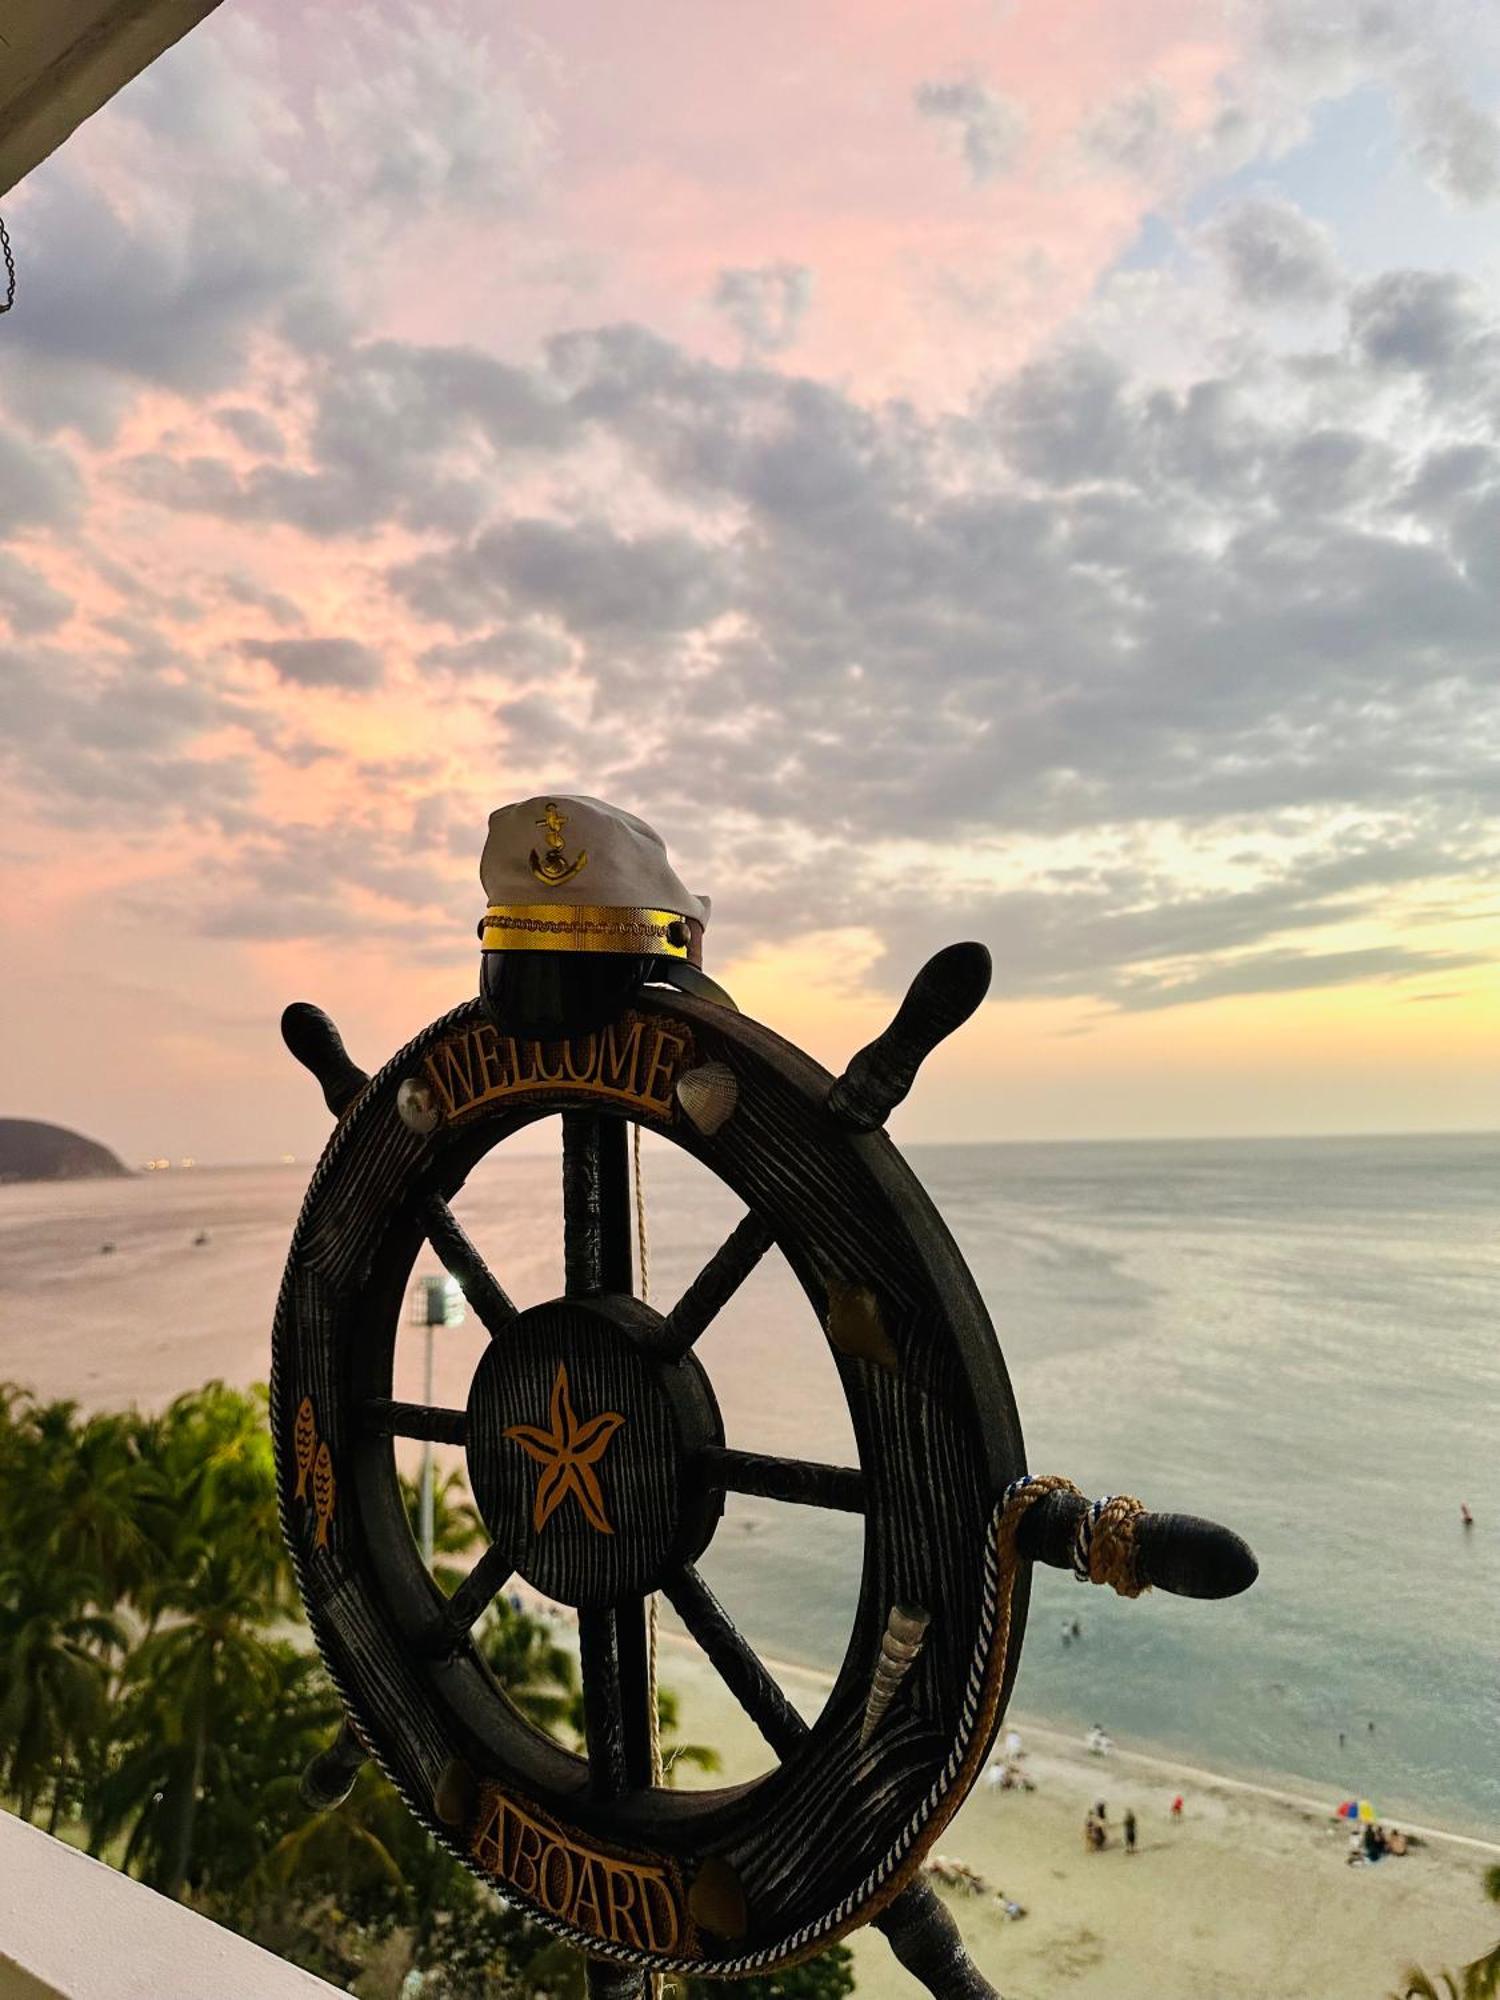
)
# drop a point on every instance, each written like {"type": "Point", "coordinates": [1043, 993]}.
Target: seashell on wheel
{"type": "Point", "coordinates": [455, 1792]}
{"type": "Point", "coordinates": [900, 1644]}
{"type": "Point", "coordinates": [717, 1900]}
{"type": "Point", "coordinates": [856, 1326]}
{"type": "Point", "coordinates": [417, 1106]}
{"type": "Point", "coordinates": [708, 1096]}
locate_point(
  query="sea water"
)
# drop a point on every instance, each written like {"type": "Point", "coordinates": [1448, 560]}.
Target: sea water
{"type": "Point", "coordinates": [1298, 1338]}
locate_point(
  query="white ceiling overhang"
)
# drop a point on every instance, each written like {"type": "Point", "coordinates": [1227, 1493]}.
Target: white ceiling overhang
{"type": "Point", "coordinates": [61, 59]}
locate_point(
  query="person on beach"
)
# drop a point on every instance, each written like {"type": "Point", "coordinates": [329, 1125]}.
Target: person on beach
{"type": "Point", "coordinates": [1129, 1831]}
{"type": "Point", "coordinates": [1177, 1807]}
{"type": "Point", "coordinates": [1464, 1515]}
{"type": "Point", "coordinates": [1013, 1749]}
{"type": "Point", "coordinates": [1356, 1855]}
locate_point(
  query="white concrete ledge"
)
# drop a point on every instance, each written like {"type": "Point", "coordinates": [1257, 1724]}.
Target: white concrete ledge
{"type": "Point", "coordinates": [73, 1929]}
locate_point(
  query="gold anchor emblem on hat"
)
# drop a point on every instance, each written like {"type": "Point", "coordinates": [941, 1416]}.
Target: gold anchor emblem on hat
{"type": "Point", "coordinates": [554, 867]}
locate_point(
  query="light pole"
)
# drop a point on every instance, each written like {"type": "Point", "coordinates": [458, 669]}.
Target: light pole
{"type": "Point", "coordinates": [435, 1302]}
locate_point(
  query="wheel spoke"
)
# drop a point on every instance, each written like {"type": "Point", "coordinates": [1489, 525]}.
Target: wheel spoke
{"type": "Point", "coordinates": [607, 1981]}
{"type": "Point", "coordinates": [463, 1263]}
{"type": "Point", "coordinates": [635, 1689]}
{"type": "Point", "coordinates": [798, 1480]}
{"type": "Point", "coordinates": [471, 1600]}
{"type": "Point", "coordinates": [603, 1707]}
{"type": "Point", "coordinates": [735, 1661]}
{"type": "Point", "coordinates": [596, 1206]}
{"type": "Point", "coordinates": [714, 1286]}
{"type": "Point", "coordinates": [383, 1418]}
{"type": "Point", "coordinates": [921, 1931]}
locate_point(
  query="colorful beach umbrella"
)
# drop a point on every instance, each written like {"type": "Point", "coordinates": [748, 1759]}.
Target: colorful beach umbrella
{"type": "Point", "coordinates": [1360, 1809]}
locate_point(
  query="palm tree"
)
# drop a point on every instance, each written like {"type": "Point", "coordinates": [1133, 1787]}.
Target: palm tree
{"type": "Point", "coordinates": [53, 1672]}
{"type": "Point", "coordinates": [101, 1507]}
{"type": "Point", "coordinates": [1479, 1980]}
{"type": "Point", "coordinates": [540, 1677]}
{"type": "Point", "coordinates": [456, 1527]}
{"type": "Point", "coordinates": [203, 1674]}
{"type": "Point", "coordinates": [213, 1448]}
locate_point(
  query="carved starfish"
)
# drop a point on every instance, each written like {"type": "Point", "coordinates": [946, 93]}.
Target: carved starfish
{"type": "Point", "coordinates": [569, 1451]}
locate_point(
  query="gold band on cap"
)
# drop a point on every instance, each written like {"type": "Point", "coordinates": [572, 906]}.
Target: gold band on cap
{"type": "Point", "coordinates": [589, 927]}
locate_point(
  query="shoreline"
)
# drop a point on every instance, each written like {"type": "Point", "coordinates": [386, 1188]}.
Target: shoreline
{"type": "Point", "coordinates": [1247, 1897]}
{"type": "Point", "coordinates": [1152, 1760]}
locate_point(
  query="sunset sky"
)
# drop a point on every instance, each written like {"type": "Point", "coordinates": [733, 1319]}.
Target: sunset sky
{"type": "Point", "coordinates": [1023, 471]}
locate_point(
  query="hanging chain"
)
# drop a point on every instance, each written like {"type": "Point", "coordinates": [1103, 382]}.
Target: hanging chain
{"type": "Point", "coordinates": [10, 269]}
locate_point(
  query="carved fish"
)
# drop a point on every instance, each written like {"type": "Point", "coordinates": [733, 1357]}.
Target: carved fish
{"type": "Point", "coordinates": [325, 1491]}
{"type": "Point", "coordinates": [900, 1644]}
{"type": "Point", "coordinates": [304, 1444]}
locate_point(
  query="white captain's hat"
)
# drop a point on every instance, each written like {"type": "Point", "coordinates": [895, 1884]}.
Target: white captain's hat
{"type": "Point", "coordinates": [575, 874]}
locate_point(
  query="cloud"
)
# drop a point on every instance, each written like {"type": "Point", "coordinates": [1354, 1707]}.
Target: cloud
{"type": "Point", "coordinates": [990, 129]}
{"type": "Point", "coordinates": [1430, 323]}
{"type": "Point", "coordinates": [39, 485]}
{"type": "Point", "coordinates": [241, 589]}
{"type": "Point", "coordinates": [338, 663]}
{"type": "Point", "coordinates": [765, 305]}
{"type": "Point", "coordinates": [398, 433]}
{"type": "Point", "coordinates": [1273, 255]}
{"type": "Point", "coordinates": [221, 197]}
{"type": "Point", "coordinates": [1176, 676]}
{"type": "Point", "coordinates": [114, 742]}
{"type": "Point", "coordinates": [166, 289]}
{"type": "Point", "coordinates": [1147, 621]}
{"type": "Point", "coordinates": [1289, 971]}
{"type": "Point", "coordinates": [419, 111]}
{"type": "Point", "coordinates": [27, 600]}
{"type": "Point", "coordinates": [596, 582]}
{"type": "Point", "coordinates": [1456, 142]}
{"type": "Point", "coordinates": [1137, 133]}
{"type": "Point", "coordinates": [252, 428]}
{"type": "Point", "coordinates": [1062, 419]}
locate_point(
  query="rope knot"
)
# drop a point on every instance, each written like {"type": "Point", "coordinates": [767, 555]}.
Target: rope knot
{"type": "Point", "coordinates": [1105, 1546]}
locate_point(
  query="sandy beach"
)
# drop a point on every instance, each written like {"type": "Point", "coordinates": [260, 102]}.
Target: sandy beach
{"type": "Point", "coordinates": [1248, 1895]}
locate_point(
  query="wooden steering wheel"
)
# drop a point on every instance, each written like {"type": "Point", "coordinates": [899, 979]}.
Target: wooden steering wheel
{"type": "Point", "coordinates": [598, 1461]}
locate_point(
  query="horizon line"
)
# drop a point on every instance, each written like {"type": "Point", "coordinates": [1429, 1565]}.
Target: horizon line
{"type": "Point", "coordinates": [201, 1165]}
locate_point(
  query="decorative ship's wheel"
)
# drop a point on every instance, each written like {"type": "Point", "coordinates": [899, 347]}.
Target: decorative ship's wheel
{"type": "Point", "coordinates": [599, 1463]}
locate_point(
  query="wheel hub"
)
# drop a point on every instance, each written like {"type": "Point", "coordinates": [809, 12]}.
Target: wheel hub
{"type": "Point", "coordinates": [581, 1446]}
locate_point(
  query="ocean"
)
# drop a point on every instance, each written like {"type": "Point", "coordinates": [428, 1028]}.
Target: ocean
{"type": "Point", "coordinates": [1297, 1338]}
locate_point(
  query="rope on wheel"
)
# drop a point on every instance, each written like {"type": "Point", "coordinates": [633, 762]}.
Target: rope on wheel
{"type": "Point", "coordinates": [655, 1980]}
